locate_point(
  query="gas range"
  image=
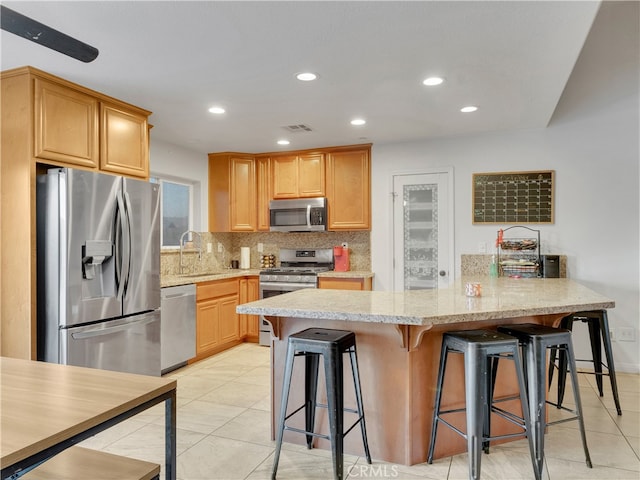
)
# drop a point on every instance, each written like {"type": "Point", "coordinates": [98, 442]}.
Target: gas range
{"type": "Point", "coordinates": [299, 266]}
{"type": "Point", "coordinates": [298, 269]}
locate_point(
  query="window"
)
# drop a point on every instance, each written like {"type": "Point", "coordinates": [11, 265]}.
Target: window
{"type": "Point", "coordinates": [176, 199]}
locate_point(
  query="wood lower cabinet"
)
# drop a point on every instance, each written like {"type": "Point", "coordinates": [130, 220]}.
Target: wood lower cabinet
{"type": "Point", "coordinates": [217, 323]}
{"type": "Point", "coordinates": [341, 283]}
{"type": "Point", "coordinates": [249, 324]}
{"type": "Point", "coordinates": [349, 189]}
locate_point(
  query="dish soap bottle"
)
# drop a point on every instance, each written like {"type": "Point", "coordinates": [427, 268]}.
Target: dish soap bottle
{"type": "Point", "coordinates": [493, 267]}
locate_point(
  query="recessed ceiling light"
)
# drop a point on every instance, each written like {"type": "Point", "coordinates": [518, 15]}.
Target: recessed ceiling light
{"type": "Point", "coordinates": [468, 109]}
{"type": "Point", "coordinates": [306, 76]}
{"type": "Point", "coordinates": [217, 110]}
{"type": "Point", "coordinates": [283, 142]}
{"type": "Point", "coordinates": [433, 81]}
{"type": "Point", "coordinates": [358, 121]}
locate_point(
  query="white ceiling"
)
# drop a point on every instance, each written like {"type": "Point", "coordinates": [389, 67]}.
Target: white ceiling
{"type": "Point", "coordinates": [510, 58]}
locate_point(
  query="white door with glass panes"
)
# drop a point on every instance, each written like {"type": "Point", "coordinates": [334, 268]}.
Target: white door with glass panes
{"type": "Point", "coordinates": [422, 231]}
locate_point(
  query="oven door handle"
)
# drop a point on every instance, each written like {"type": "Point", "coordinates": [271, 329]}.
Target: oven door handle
{"type": "Point", "coordinates": [284, 286]}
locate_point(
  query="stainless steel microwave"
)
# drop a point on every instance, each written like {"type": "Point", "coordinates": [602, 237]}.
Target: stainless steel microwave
{"type": "Point", "coordinates": [299, 215]}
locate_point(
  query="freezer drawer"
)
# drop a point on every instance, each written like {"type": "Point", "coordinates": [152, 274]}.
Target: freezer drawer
{"type": "Point", "coordinates": [178, 339]}
{"type": "Point", "coordinates": [130, 344]}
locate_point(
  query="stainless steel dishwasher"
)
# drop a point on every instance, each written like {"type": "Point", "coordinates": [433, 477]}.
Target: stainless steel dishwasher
{"type": "Point", "coordinates": [178, 326]}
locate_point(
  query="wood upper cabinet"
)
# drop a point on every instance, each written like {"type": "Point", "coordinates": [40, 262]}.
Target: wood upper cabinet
{"type": "Point", "coordinates": [74, 126]}
{"type": "Point", "coordinates": [124, 146]}
{"type": "Point", "coordinates": [66, 125]}
{"type": "Point", "coordinates": [298, 175]}
{"type": "Point", "coordinates": [232, 192]}
{"type": "Point", "coordinates": [349, 189]}
{"type": "Point", "coordinates": [263, 174]}
{"type": "Point", "coordinates": [241, 186]}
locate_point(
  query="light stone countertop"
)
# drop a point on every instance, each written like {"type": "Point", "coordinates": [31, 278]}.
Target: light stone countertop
{"type": "Point", "coordinates": [349, 274]}
{"type": "Point", "coordinates": [501, 298]}
{"type": "Point", "coordinates": [175, 280]}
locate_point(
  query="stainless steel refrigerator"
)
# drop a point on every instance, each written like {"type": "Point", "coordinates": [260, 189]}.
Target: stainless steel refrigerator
{"type": "Point", "coordinates": [98, 256]}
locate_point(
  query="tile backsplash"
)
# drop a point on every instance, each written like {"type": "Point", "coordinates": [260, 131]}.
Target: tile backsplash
{"type": "Point", "coordinates": [272, 242]}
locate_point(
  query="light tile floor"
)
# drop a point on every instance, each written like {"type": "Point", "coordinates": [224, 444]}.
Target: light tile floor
{"type": "Point", "coordinates": [223, 433]}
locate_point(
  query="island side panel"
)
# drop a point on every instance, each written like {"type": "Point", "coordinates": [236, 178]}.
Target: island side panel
{"type": "Point", "coordinates": [423, 381]}
{"type": "Point", "coordinates": [398, 385]}
{"type": "Point", "coordinates": [384, 376]}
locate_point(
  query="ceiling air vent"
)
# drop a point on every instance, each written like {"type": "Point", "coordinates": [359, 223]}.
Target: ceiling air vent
{"type": "Point", "coordinates": [297, 128]}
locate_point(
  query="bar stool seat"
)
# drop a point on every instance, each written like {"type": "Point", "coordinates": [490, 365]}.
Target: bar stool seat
{"type": "Point", "coordinates": [330, 344]}
{"type": "Point", "coordinates": [599, 337]}
{"type": "Point", "coordinates": [535, 340]}
{"type": "Point", "coordinates": [481, 350]}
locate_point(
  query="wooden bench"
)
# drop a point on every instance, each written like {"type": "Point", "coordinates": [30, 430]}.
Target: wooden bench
{"type": "Point", "coordinates": [78, 463]}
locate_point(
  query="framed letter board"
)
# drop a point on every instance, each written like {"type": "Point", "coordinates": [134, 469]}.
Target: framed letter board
{"type": "Point", "coordinates": [513, 197]}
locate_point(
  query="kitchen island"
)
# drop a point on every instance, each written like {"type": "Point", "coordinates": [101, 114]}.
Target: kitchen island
{"type": "Point", "coordinates": [398, 340]}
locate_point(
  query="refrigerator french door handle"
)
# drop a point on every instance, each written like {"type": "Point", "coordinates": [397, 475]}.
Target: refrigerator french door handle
{"type": "Point", "coordinates": [127, 241]}
{"type": "Point", "coordinates": [97, 332]}
{"type": "Point", "coordinates": [122, 243]}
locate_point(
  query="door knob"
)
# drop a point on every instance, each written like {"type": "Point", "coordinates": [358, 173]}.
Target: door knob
{"type": "Point", "coordinates": [442, 273]}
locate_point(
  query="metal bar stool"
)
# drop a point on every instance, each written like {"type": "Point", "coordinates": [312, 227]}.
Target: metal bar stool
{"type": "Point", "coordinates": [599, 337]}
{"type": "Point", "coordinates": [535, 339]}
{"type": "Point", "coordinates": [331, 345]}
{"type": "Point", "coordinates": [481, 349]}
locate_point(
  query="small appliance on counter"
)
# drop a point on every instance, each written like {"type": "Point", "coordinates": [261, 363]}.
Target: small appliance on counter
{"type": "Point", "coordinates": [550, 266]}
{"type": "Point", "coordinates": [341, 258]}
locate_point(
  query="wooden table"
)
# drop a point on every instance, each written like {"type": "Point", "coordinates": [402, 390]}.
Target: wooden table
{"type": "Point", "coordinates": [46, 408]}
{"type": "Point", "coordinates": [398, 339]}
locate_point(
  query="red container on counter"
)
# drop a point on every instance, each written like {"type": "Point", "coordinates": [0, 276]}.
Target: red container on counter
{"type": "Point", "coordinates": [341, 259]}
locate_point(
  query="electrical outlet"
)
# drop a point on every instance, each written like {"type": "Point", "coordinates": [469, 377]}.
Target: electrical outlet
{"type": "Point", "coordinates": [260, 247]}
{"type": "Point", "coordinates": [219, 247]}
{"type": "Point", "coordinates": [482, 247]}
{"type": "Point", "coordinates": [612, 335]}
{"type": "Point", "coordinates": [626, 334]}
{"type": "Point", "coordinates": [345, 245]}
{"type": "Point", "coordinates": [209, 247]}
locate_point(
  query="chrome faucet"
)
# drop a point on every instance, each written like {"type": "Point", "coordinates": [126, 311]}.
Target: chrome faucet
{"type": "Point", "coordinates": [182, 247]}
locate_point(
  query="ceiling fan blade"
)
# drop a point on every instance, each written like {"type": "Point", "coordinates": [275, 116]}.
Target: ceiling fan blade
{"type": "Point", "coordinates": [37, 32]}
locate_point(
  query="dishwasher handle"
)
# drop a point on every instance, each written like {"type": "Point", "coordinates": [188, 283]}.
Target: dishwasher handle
{"type": "Point", "coordinates": [177, 295]}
